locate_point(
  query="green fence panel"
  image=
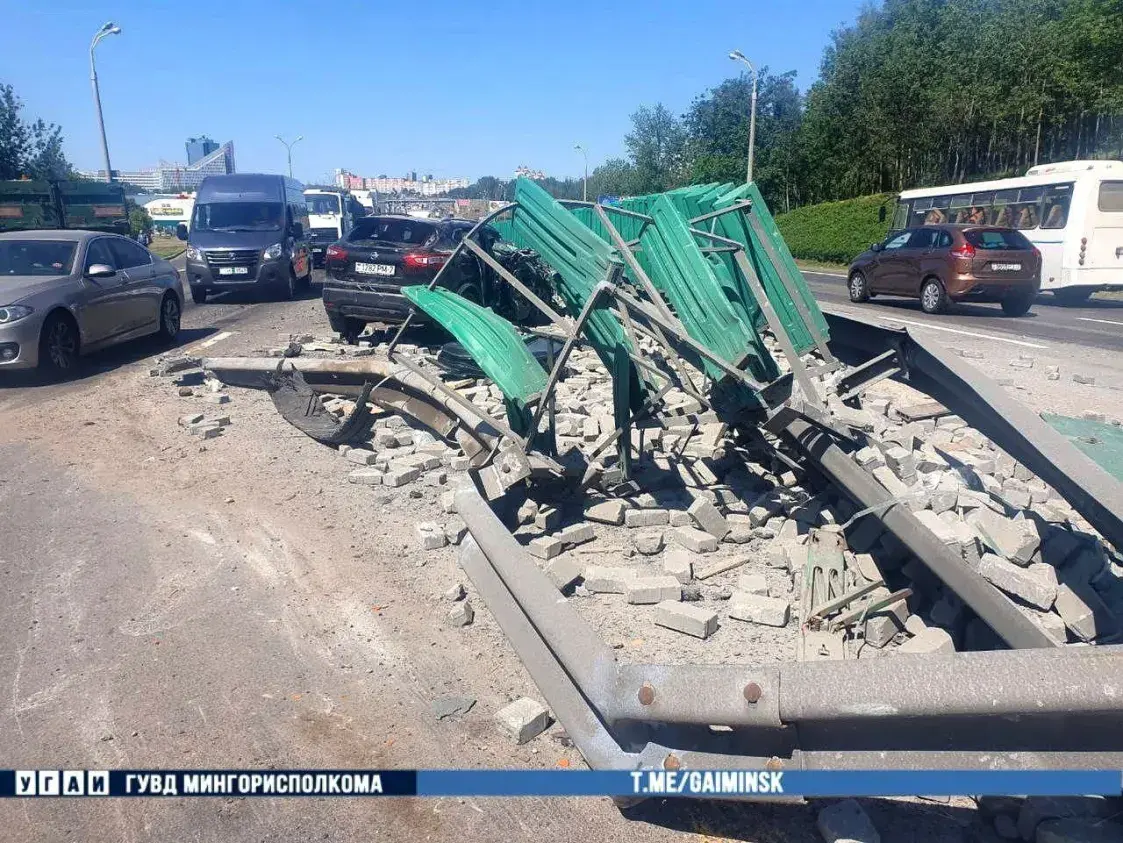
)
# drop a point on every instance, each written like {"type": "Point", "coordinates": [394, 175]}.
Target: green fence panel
{"type": "Point", "coordinates": [493, 343]}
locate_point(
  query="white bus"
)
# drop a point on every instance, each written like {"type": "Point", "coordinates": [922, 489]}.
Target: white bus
{"type": "Point", "coordinates": [1071, 211]}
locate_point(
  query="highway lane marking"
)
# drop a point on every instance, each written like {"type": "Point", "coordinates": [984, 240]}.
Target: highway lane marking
{"type": "Point", "coordinates": [217, 338]}
{"type": "Point", "coordinates": [818, 272]}
{"type": "Point", "coordinates": [1022, 343]}
{"type": "Point", "coordinates": [1101, 321]}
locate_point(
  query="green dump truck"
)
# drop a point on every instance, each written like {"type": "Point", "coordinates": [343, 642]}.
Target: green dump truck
{"type": "Point", "coordinates": [26, 205]}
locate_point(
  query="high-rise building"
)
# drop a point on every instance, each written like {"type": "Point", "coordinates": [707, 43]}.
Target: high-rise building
{"type": "Point", "coordinates": [198, 148]}
{"type": "Point", "coordinates": [169, 176]}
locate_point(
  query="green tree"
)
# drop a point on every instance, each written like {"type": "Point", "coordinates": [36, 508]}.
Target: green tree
{"type": "Point", "coordinates": [32, 149]}
{"type": "Point", "coordinates": [656, 146]}
{"type": "Point", "coordinates": [139, 220]}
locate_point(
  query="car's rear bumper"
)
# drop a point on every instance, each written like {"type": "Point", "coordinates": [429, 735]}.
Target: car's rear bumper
{"type": "Point", "coordinates": [200, 275]}
{"type": "Point", "coordinates": [385, 307]}
{"type": "Point", "coordinates": [989, 290]}
{"type": "Point", "coordinates": [19, 343]}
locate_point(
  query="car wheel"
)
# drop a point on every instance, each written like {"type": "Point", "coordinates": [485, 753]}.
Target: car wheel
{"type": "Point", "coordinates": [471, 292]}
{"type": "Point", "coordinates": [170, 316]}
{"type": "Point", "coordinates": [59, 344]}
{"type": "Point", "coordinates": [199, 295]}
{"type": "Point", "coordinates": [933, 297]}
{"type": "Point", "coordinates": [1018, 304]}
{"type": "Point", "coordinates": [859, 288]}
{"type": "Point", "coordinates": [1070, 296]}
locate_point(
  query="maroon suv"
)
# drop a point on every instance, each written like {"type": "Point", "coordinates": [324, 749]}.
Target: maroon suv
{"type": "Point", "coordinates": [944, 263]}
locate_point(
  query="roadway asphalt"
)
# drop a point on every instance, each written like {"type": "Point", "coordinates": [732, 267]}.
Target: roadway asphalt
{"type": "Point", "coordinates": [1097, 323]}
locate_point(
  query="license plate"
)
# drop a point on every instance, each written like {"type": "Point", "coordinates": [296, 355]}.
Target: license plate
{"type": "Point", "coordinates": [233, 270]}
{"type": "Point", "coordinates": [374, 268]}
{"type": "Point", "coordinates": [1005, 267]}
{"type": "Point", "coordinates": [317, 251]}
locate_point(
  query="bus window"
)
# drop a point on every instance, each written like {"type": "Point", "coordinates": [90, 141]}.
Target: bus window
{"type": "Point", "coordinates": [1027, 210]}
{"type": "Point", "coordinates": [1111, 197]}
{"type": "Point", "coordinates": [959, 208]}
{"type": "Point", "coordinates": [1054, 211]}
{"type": "Point", "coordinates": [939, 212]}
{"type": "Point", "coordinates": [901, 215]}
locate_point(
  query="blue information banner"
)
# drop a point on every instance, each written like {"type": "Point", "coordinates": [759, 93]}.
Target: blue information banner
{"type": "Point", "coordinates": [513, 783]}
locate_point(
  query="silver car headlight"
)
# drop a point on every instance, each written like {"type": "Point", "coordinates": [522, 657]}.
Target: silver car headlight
{"type": "Point", "coordinates": [13, 312]}
{"type": "Point", "coordinates": [273, 252]}
{"type": "Point", "coordinates": [194, 254]}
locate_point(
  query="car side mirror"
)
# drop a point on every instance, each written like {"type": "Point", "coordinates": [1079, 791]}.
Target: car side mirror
{"type": "Point", "coordinates": [100, 270]}
{"type": "Point", "coordinates": [297, 230]}
{"type": "Point", "coordinates": [875, 247]}
{"type": "Point", "coordinates": [181, 231]}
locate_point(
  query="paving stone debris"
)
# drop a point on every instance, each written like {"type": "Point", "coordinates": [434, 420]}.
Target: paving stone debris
{"type": "Point", "coordinates": [652, 589]}
{"type": "Point", "coordinates": [846, 822]}
{"type": "Point", "coordinates": [694, 540]}
{"type": "Point", "coordinates": [757, 608]}
{"type": "Point", "coordinates": [462, 614]}
{"type": "Point", "coordinates": [686, 618]}
{"type": "Point", "coordinates": [523, 720]}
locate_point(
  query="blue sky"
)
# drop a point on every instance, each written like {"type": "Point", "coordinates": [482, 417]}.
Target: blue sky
{"type": "Point", "coordinates": [445, 87]}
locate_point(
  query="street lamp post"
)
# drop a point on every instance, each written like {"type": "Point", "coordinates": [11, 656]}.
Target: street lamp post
{"type": "Point", "coordinates": [737, 55]}
{"type": "Point", "coordinates": [585, 184]}
{"type": "Point", "coordinates": [109, 29]}
{"type": "Point", "coordinates": [288, 148]}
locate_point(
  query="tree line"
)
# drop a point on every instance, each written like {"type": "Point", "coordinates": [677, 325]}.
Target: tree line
{"type": "Point", "coordinates": [913, 93]}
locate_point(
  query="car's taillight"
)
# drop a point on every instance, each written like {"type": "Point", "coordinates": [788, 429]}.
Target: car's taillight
{"type": "Point", "coordinates": [964, 251]}
{"type": "Point", "coordinates": [336, 253]}
{"type": "Point", "coordinates": [422, 260]}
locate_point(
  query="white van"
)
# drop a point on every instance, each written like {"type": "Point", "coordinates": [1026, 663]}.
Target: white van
{"type": "Point", "coordinates": [331, 215]}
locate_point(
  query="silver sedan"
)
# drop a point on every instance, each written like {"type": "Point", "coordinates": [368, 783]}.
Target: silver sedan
{"type": "Point", "coordinates": [66, 293]}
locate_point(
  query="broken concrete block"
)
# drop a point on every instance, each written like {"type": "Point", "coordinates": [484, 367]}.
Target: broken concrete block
{"type": "Point", "coordinates": [602, 579]}
{"type": "Point", "coordinates": [869, 458]}
{"type": "Point", "coordinates": [940, 528]}
{"type": "Point", "coordinates": [432, 535]}
{"type": "Point", "coordinates": [708, 518]}
{"type": "Point", "coordinates": [902, 462]}
{"type": "Point", "coordinates": [545, 547]}
{"type": "Point", "coordinates": [649, 542]}
{"type": "Point", "coordinates": [365, 477]}
{"type": "Point", "coordinates": [455, 531]}
{"type": "Point", "coordinates": [547, 518]}
{"type": "Point", "coordinates": [1036, 584]}
{"type": "Point", "coordinates": [752, 584]}
{"type": "Point", "coordinates": [693, 539]}
{"type": "Point", "coordinates": [915, 625]}
{"type": "Point", "coordinates": [686, 618]}
{"type": "Point", "coordinates": [646, 517]}
{"type": "Point", "coordinates": [680, 518]}
{"type": "Point", "coordinates": [846, 822]}
{"type": "Point", "coordinates": [607, 512]}
{"type": "Point", "coordinates": [881, 628]}
{"type": "Point", "coordinates": [757, 608]}
{"type": "Point", "coordinates": [395, 477]}
{"type": "Point", "coordinates": [454, 593]}
{"type": "Point", "coordinates": [523, 720]}
{"type": "Point", "coordinates": [931, 640]}
{"type": "Point", "coordinates": [205, 431]}
{"type": "Point", "coordinates": [462, 614]}
{"type": "Point", "coordinates": [1083, 612]}
{"type": "Point", "coordinates": [565, 571]}
{"type": "Point", "coordinates": [1016, 540]}
{"type": "Point", "coordinates": [361, 456]}
{"type": "Point", "coordinates": [644, 590]}
{"type": "Point", "coordinates": [1084, 379]}
{"type": "Point", "coordinates": [679, 563]}
{"type": "Point", "coordinates": [575, 534]}
{"type": "Point", "coordinates": [526, 512]}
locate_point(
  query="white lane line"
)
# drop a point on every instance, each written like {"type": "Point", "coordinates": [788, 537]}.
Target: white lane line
{"type": "Point", "coordinates": [1101, 321]}
{"type": "Point", "coordinates": [217, 338]}
{"type": "Point", "coordinates": [820, 272]}
{"type": "Point", "coordinates": [1022, 343]}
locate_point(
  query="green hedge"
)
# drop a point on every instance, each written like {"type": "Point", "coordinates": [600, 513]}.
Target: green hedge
{"type": "Point", "coordinates": [836, 231]}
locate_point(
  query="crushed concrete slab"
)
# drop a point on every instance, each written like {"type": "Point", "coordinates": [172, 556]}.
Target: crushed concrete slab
{"type": "Point", "coordinates": [648, 542]}
{"type": "Point", "coordinates": [644, 590]}
{"type": "Point", "coordinates": [709, 518]}
{"type": "Point", "coordinates": [679, 563]}
{"type": "Point", "coordinates": [694, 540]}
{"type": "Point", "coordinates": [1036, 584]}
{"type": "Point", "coordinates": [686, 618]}
{"type": "Point", "coordinates": [756, 608]}
{"type": "Point", "coordinates": [565, 571]}
{"type": "Point", "coordinates": [602, 579]}
{"type": "Point", "coordinates": [1015, 540]}
{"type": "Point", "coordinates": [607, 512]}
{"type": "Point", "coordinates": [523, 720]}
{"type": "Point", "coordinates": [930, 640]}
{"type": "Point", "coordinates": [545, 547]}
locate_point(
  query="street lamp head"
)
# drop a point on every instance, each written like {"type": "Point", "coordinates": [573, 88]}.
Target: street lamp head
{"type": "Point", "coordinates": [736, 55]}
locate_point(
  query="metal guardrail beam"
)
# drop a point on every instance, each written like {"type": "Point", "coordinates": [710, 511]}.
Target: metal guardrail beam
{"type": "Point", "coordinates": [993, 411]}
